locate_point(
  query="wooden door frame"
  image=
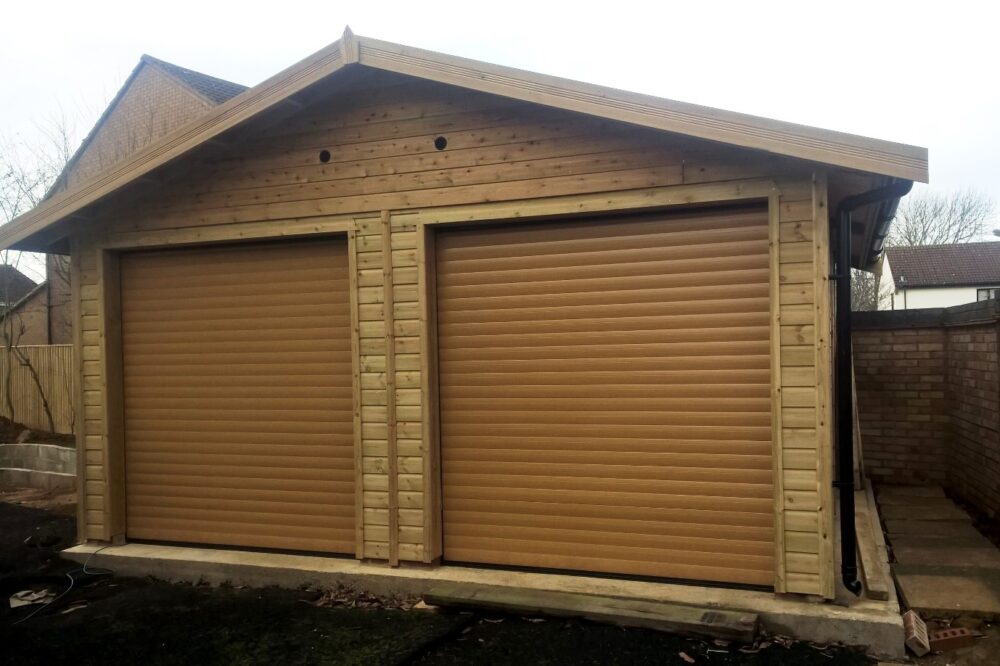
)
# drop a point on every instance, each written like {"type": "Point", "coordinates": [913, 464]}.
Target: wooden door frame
{"type": "Point", "coordinates": [556, 209]}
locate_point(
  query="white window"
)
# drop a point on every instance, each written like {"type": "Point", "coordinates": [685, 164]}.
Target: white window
{"type": "Point", "coordinates": [987, 294]}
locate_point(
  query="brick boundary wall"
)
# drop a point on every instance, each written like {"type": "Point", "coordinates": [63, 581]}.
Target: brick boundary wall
{"type": "Point", "coordinates": [928, 386]}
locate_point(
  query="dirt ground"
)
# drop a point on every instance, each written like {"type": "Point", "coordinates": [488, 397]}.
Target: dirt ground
{"type": "Point", "coordinates": [110, 619]}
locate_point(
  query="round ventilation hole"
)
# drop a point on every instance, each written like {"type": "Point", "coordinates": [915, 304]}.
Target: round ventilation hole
{"type": "Point", "coordinates": [324, 156]}
{"type": "Point", "coordinates": [440, 143]}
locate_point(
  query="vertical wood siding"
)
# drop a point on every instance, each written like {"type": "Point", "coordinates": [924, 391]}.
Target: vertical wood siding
{"type": "Point", "coordinates": [384, 166]}
{"type": "Point", "coordinates": [803, 304]}
{"type": "Point", "coordinates": [54, 366]}
{"type": "Point", "coordinates": [93, 486]}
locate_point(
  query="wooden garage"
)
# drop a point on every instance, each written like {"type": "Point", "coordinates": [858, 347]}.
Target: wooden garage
{"type": "Point", "coordinates": [415, 308]}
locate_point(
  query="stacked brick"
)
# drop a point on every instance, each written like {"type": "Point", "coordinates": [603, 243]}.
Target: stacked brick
{"type": "Point", "coordinates": [974, 470]}
{"type": "Point", "coordinates": [900, 376]}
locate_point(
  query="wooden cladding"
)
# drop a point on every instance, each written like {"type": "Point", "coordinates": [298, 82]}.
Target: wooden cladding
{"type": "Point", "coordinates": [389, 190]}
{"type": "Point", "coordinates": [605, 395]}
{"type": "Point", "coordinates": [238, 395]}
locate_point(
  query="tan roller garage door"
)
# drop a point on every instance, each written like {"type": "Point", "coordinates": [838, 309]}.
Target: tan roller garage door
{"type": "Point", "coordinates": [605, 395]}
{"type": "Point", "coordinates": [238, 399]}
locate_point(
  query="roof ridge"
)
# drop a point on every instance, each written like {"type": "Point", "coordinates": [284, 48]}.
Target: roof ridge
{"type": "Point", "coordinates": [939, 245]}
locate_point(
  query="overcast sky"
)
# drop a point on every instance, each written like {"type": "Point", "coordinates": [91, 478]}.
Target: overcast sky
{"type": "Point", "coordinates": [913, 72]}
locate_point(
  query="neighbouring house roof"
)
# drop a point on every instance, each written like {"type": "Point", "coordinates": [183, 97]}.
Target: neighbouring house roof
{"type": "Point", "coordinates": [861, 154]}
{"type": "Point", "coordinates": [19, 303]}
{"type": "Point", "coordinates": [211, 90]}
{"type": "Point", "coordinates": [14, 285]}
{"type": "Point", "coordinates": [960, 265]}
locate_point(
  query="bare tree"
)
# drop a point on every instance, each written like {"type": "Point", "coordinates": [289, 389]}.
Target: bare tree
{"type": "Point", "coordinates": [927, 218]}
{"type": "Point", "coordinates": [867, 290]}
{"type": "Point", "coordinates": [27, 171]}
{"type": "Point", "coordinates": [942, 219]}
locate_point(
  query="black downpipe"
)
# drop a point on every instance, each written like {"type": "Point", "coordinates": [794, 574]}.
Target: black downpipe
{"type": "Point", "coordinates": [845, 407]}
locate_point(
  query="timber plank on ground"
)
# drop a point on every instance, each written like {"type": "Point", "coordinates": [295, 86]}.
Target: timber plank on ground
{"type": "Point", "coordinates": [874, 559]}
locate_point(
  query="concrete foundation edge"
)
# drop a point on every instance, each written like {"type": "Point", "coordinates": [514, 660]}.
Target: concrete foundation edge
{"type": "Point", "coordinates": [875, 626]}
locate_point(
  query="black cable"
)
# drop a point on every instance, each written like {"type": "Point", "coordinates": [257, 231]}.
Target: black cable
{"type": "Point", "coordinates": [72, 584]}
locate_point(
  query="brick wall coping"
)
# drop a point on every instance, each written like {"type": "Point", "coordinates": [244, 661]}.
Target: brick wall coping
{"type": "Point", "coordinates": [983, 312]}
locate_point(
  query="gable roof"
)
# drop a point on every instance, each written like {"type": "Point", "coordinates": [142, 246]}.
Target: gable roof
{"type": "Point", "coordinates": [215, 90]}
{"type": "Point", "coordinates": [778, 137]}
{"type": "Point", "coordinates": [961, 265]}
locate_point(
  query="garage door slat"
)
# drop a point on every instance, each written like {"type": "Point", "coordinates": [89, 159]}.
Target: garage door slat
{"type": "Point", "coordinates": [701, 521]}
{"type": "Point", "coordinates": [634, 458]}
{"type": "Point", "coordinates": [582, 443]}
{"type": "Point", "coordinates": [457, 267]}
{"type": "Point", "coordinates": [195, 484]}
{"type": "Point", "coordinates": [524, 499]}
{"type": "Point", "coordinates": [517, 392]}
{"type": "Point", "coordinates": [601, 268]}
{"type": "Point", "coordinates": [600, 379]}
{"type": "Point", "coordinates": [238, 398]}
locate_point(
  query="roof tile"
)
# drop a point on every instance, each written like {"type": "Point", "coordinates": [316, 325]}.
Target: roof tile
{"type": "Point", "coordinates": [215, 89]}
{"type": "Point", "coordinates": [961, 265]}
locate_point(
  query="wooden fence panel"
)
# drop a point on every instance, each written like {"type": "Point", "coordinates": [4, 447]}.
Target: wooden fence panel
{"type": "Point", "coordinates": [54, 366]}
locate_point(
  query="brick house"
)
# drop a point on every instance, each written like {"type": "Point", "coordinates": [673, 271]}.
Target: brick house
{"type": "Point", "coordinates": [156, 98]}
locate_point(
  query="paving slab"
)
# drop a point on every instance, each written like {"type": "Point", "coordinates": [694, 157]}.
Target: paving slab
{"type": "Point", "coordinates": [947, 591]}
{"type": "Point", "coordinates": [944, 529]}
{"type": "Point", "coordinates": [935, 543]}
{"type": "Point", "coordinates": [910, 491]}
{"type": "Point", "coordinates": [942, 510]}
{"type": "Point", "coordinates": [975, 551]}
{"type": "Point", "coordinates": [950, 555]}
{"type": "Point", "coordinates": [912, 500]}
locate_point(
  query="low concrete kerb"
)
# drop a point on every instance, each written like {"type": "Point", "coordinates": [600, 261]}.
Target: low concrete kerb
{"type": "Point", "coordinates": [18, 477]}
{"type": "Point", "coordinates": [874, 625]}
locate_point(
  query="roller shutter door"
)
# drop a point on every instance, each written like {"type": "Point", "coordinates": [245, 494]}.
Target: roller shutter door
{"type": "Point", "coordinates": [238, 398]}
{"type": "Point", "coordinates": [605, 395]}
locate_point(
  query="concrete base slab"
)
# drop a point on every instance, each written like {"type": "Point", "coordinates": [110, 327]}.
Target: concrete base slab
{"type": "Point", "coordinates": [949, 591]}
{"type": "Point", "coordinates": [674, 618]}
{"type": "Point", "coordinates": [875, 625]}
{"type": "Point", "coordinates": [941, 529]}
{"type": "Point", "coordinates": [936, 510]}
